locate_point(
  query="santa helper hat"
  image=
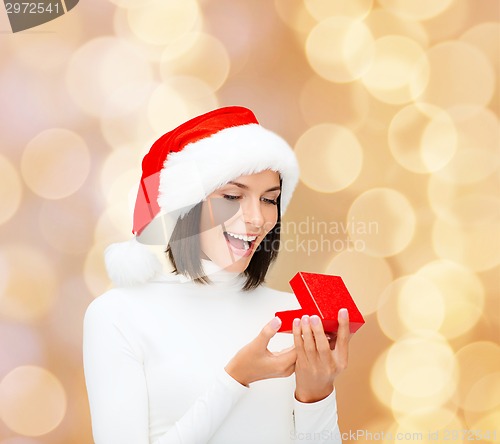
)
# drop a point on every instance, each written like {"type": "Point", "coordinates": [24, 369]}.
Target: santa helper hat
{"type": "Point", "coordinates": [187, 164]}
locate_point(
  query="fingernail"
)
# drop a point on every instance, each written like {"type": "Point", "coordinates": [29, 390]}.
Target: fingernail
{"type": "Point", "coordinates": [296, 322]}
{"type": "Point", "coordinates": [314, 320]}
{"type": "Point", "coordinates": [305, 319]}
{"type": "Point", "coordinates": [276, 322]}
{"type": "Point", "coordinates": [343, 313]}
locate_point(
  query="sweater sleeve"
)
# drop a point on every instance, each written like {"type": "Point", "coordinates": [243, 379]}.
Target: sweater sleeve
{"type": "Point", "coordinates": [317, 421]}
{"type": "Point", "coordinates": [117, 389]}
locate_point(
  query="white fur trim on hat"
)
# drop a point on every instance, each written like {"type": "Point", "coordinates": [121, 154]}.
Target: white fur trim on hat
{"type": "Point", "coordinates": [188, 176]}
{"type": "Point", "coordinates": [130, 263]}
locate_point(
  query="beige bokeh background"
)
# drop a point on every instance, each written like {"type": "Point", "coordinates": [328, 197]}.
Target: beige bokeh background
{"type": "Point", "coordinates": [392, 107]}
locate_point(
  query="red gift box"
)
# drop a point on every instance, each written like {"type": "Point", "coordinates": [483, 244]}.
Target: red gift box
{"type": "Point", "coordinates": [322, 295]}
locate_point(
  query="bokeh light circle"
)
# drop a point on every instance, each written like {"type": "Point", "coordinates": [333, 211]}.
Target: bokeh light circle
{"type": "Point", "coordinates": [422, 138]}
{"type": "Point", "coordinates": [397, 61]}
{"type": "Point", "coordinates": [160, 22]}
{"type": "Point", "coordinates": [120, 210]}
{"type": "Point", "coordinates": [462, 293]}
{"type": "Point", "coordinates": [403, 405]}
{"type": "Point", "coordinates": [119, 162]}
{"type": "Point", "coordinates": [11, 190]}
{"type": "Point", "coordinates": [32, 400]}
{"type": "Point", "coordinates": [430, 424]}
{"type": "Point", "coordinates": [94, 271]}
{"type": "Point", "coordinates": [178, 100]}
{"type": "Point", "coordinates": [484, 394]}
{"type": "Point", "coordinates": [204, 58]}
{"type": "Point", "coordinates": [123, 184]}
{"type": "Point", "coordinates": [379, 383]}
{"type": "Point", "coordinates": [477, 360]}
{"type": "Point", "coordinates": [350, 265]}
{"type": "Point", "coordinates": [356, 9]}
{"type": "Point", "coordinates": [421, 10]}
{"type": "Point", "coordinates": [123, 102]}
{"type": "Point", "coordinates": [340, 49]}
{"type": "Point", "coordinates": [330, 157]}
{"type": "Point", "coordinates": [31, 282]}
{"type": "Point", "coordinates": [19, 344]}
{"type": "Point", "coordinates": [468, 232]}
{"type": "Point", "coordinates": [443, 195]}
{"type": "Point", "coordinates": [55, 163]}
{"type": "Point", "coordinates": [421, 366]}
{"type": "Point", "coordinates": [478, 145]}
{"type": "Point", "coordinates": [295, 15]}
{"type": "Point", "coordinates": [104, 67]}
{"type": "Point", "coordinates": [124, 121]}
{"type": "Point", "coordinates": [74, 220]}
{"type": "Point", "coordinates": [403, 307]}
{"type": "Point", "coordinates": [382, 23]}
{"type": "Point", "coordinates": [473, 76]}
{"type": "Point", "coordinates": [416, 296]}
{"type": "Point", "coordinates": [384, 220]}
{"type": "Point", "coordinates": [484, 37]}
{"type": "Point", "coordinates": [122, 30]}
{"type": "Point", "coordinates": [448, 26]}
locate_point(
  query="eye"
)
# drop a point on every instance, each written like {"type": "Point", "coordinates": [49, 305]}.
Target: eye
{"type": "Point", "coordinates": [230, 197]}
{"type": "Point", "coordinates": [270, 201]}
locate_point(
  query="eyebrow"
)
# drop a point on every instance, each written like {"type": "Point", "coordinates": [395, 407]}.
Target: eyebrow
{"type": "Point", "coordinates": [243, 186]}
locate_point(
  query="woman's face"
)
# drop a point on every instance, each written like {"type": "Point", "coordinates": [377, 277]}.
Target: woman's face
{"type": "Point", "coordinates": [236, 218]}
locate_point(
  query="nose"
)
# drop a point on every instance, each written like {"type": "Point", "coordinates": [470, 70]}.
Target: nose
{"type": "Point", "coordinates": [252, 212]}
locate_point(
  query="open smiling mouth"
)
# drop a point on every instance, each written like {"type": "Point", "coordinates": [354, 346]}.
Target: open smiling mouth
{"type": "Point", "coordinates": [241, 244]}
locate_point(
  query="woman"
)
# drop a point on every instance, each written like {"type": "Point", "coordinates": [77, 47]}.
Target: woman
{"type": "Point", "coordinates": [164, 355]}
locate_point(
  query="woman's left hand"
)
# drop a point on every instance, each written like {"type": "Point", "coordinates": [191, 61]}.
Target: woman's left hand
{"type": "Point", "coordinates": [317, 364]}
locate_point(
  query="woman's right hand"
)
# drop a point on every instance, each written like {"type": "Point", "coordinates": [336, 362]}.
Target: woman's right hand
{"type": "Point", "coordinates": [255, 362]}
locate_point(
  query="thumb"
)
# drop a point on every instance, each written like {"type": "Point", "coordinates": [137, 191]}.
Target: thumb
{"type": "Point", "coordinates": [269, 330]}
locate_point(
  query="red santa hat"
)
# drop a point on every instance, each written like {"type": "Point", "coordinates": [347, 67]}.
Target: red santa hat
{"type": "Point", "coordinates": [187, 164]}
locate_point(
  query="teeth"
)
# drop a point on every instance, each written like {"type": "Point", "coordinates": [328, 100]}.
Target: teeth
{"type": "Point", "coordinates": [243, 237]}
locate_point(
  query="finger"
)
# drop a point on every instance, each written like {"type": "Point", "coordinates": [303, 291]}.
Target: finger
{"type": "Point", "coordinates": [309, 343]}
{"type": "Point", "coordinates": [298, 341]}
{"type": "Point", "coordinates": [322, 344]}
{"type": "Point", "coordinates": [268, 332]}
{"type": "Point", "coordinates": [344, 332]}
{"type": "Point", "coordinates": [343, 336]}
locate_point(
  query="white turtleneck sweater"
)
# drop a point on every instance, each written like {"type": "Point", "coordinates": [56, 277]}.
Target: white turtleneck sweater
{"type": "Point", "coordinates": [154, 358]}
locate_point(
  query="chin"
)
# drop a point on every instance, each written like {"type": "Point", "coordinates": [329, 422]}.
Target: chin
{"type": "Point", "coordinates": [238, 265]}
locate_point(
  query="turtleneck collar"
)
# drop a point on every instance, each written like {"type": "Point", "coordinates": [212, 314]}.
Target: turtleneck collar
{"type": "Point", "coordinates": [217, 275]}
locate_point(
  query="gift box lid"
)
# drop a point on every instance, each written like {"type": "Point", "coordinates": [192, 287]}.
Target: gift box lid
{"type": "Point", "coordinates": [323, 295]}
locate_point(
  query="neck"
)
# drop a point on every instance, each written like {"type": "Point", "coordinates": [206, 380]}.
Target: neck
{"type": "Point", "coordinates": [218, 275]}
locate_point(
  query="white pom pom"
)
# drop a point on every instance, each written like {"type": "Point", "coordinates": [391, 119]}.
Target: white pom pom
{"type": "Point", "coordinates": [130, 263]}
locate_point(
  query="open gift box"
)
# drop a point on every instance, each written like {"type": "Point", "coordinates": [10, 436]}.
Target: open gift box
{"type": "Point", "coordinates": [322, 295]}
